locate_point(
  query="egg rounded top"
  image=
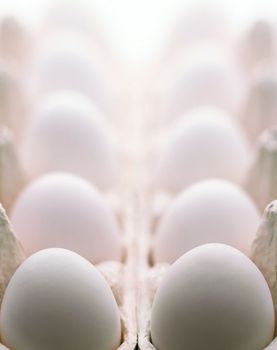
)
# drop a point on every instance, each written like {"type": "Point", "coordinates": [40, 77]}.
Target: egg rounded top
{"type": "Point", "coordinates": [208, 76]}
{"type": "Point", "coordinates": [57, 300]}
{"type": "Point", "coordinates": [66, 134]}
{"type": "Point", "coordinates": [70, 65]}
{"type": "Point", "coordinates": [65, 211]}
{"type": "Point", "coordinates": [213, 297]}
{"type": "Point", "coordinates": [209, 211]}
{"type": "Point", "coordinates": [204, 143]}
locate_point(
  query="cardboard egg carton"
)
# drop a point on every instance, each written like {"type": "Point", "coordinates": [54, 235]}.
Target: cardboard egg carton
{"type": "Point", "coordinates": [261, 179]}
{"type": "Point", "coordinates": [121, 279]}
{"type": "Point", "coordinates": [12, 177]}
{"type": "Point", "coordinates": [150, 275]}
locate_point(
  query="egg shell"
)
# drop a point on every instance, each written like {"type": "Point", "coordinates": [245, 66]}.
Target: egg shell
{"type": "Point", "coordinates": [207, 212]}
{"type": "Point", "coordinates": [204, 74]}
{"type": "Point", "coordinates": [68, 66]}
{"type": "Point", "coordinates": [66, 134]}
{"type": "Point", "coordinates": [11, 251]}
{"type": "Point", "coordinates": [217, 292]}
{"type": "Point", "coordinates": [65, 211]}
{"type": "Point", "coordinates": [264, 249]}
{"type": "Point", "coordinates": [205, 143]}
{"type": "Point", "coordinates": [208, 76]}
{"type": "Point", "coordinates": [56, 299]}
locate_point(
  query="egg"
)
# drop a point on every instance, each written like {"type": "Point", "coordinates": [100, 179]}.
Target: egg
{"type": "Point", "coordinates": [57, 300]}
{"type": "Point", "coordinates": [213, 297]}
{"type": "Point", "coordinates": [65, 211]}
{"type": "Point", "coordinates": [66, 134]}
{"type": "Point", "coordinates": [208, 76]}
{"type": "Point", "coordinates": [206, 212]}
{"type": "Point", "coordinates": [69, 66]}
{"type": "Point", "coordinates": [204, 143]}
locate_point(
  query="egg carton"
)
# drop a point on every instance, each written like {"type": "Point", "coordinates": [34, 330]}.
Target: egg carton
{"type": "Point", "coordinates": [119, 275]}
{"type": "Point", "coordinates": [121, 279]}
{"type": "Point", "coordinates": [261, 179]}
{"type": "Point", "coordinates": [12, 177]}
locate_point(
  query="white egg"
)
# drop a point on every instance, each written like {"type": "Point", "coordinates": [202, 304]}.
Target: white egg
{"type": "Point", "coordinates": [209, 76]}
{"type": "Point", "coordinates": [213, 297]}
{"type": "Point", "coordinates": [207, 212]}
{"type": "Point", "coordinates": [58, 300]}
{"type": "Point", "coordinates": [66, 134]}
{"type": "Point", "coordinates": [72, 100]}
{"type": "Point", "coordinates": [69, 66]}
{"type": "Point", "coordinates": [65, 211]}
{"type": "Point", "coordinates": [204, 143]}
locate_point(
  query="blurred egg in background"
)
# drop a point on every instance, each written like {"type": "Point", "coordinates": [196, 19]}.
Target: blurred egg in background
{"type": "Point", "coordinates": [66, 133]}
{"type": "Point", "coordinates": [208, 76]}
{"type": "Point", "coordinates": [65, 211]}
{"type": "Point", "coordinates": [203, 143]}
{"type": "Point", "coordinates": [207, 212]}
{"type": "Point", "coordinates": [68, 68]}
